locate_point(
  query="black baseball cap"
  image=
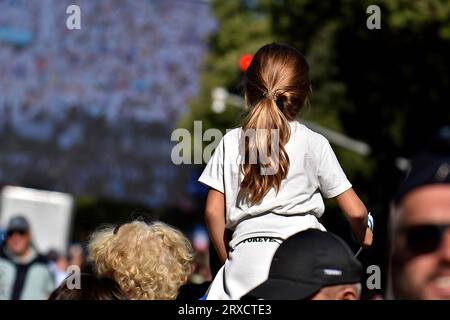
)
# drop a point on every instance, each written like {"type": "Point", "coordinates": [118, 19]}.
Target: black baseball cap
{"type": "Point", "coordinates": [306, 262]}
{"type": "Point", "coordinates": [18, 223]}
{"type": "Point", "coordinates": [430, 166]}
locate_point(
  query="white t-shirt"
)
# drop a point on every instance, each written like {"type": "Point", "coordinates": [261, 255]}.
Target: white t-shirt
{"type": "Point", "coordinates": [313, 171]}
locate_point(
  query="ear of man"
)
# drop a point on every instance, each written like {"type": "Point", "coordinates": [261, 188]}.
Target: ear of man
{"type": "Point", "coordinates": [347, 293]}
{"type": "Point", "coordinates": [340, 292]}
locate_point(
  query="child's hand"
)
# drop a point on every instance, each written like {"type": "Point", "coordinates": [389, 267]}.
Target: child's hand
{"type": "Point", "coordinates": [368, 238]}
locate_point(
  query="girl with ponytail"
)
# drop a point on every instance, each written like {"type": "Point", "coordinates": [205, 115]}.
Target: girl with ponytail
{"type": "Point", "coordinates": [268, 178]}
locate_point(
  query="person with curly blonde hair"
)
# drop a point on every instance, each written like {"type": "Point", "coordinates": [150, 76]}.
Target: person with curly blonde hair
{"type": "Point", "coordinates": [150, 261]}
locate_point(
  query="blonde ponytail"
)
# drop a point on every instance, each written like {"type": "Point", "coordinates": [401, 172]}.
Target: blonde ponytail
{"type": "Point", "coordinates": [276, 87]}
{"type": "Point", "coordinates": [265, 120]}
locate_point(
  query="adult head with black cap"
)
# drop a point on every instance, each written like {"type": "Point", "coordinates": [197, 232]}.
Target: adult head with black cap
{"type": "Point", "coordinates": [25, 274]}
{"type": "Point", "coordinates": [18, 237]}
{"type": "Point", "coordinates": [311, 265]}
{"type": "Point", "coordinates": [420, 227]}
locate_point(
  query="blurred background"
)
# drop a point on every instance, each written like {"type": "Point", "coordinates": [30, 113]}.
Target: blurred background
{"type": "Point", "coordinates": [86, 115]}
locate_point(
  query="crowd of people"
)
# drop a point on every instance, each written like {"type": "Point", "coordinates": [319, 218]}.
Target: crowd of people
{"type": "Point", "coordinates": [152, 260]}
{"type": "Point", "coordinates": [137, 260]}
{"type": "Point", "coordinates": [114, 162]}
{"type": "Point", "coordinates": [60, 79]}
{"type": "Point", "coordinates": [102, 90]}
{"type": "Point", "coordinates": [124, 63]}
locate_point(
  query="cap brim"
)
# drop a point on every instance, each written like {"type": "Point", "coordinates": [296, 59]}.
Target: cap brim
{"type": "Point", "coordinates": [281, 289]}
{"type": "Point", "coordinates": [13, 229]}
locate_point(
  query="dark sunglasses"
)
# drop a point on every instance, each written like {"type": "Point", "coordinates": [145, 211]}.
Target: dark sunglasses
{"type": "Point", "coordinates": [423, 239]}
{"type": "Point", "coordinates": [20, 232]}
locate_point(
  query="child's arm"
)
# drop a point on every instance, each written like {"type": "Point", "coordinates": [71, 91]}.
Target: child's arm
{"type": "Point", "coordinates": [356, 213]}
{"type": "Point", "coordinates": [215, 221]}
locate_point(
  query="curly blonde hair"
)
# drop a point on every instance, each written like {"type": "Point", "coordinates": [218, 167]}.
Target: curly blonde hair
{"type": "Point", "coordinates": [149, 261]}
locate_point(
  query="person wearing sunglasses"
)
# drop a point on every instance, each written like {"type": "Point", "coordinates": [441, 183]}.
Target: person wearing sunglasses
{"type": "Point", "coordinates": [25, 274]}
{"type": "Point", "coordinates": [420, 227]}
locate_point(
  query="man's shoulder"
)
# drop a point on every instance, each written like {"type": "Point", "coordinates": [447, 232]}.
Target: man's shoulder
{"type": "Point", "coordinates": [6, 264]}
{"type": "Point", "coordinates": [3, 255]}
{"type": "Point", "coordinates": [41, 259]}
{"type": "Point", "coordinates": [39, 267]}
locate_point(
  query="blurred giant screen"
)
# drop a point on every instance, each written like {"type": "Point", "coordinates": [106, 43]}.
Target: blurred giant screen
{"type": "Point", "coordinates": [90, 111]}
